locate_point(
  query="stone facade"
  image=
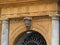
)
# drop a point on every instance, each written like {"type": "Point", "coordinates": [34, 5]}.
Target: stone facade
{"type": "Point", "coordinates": [44, 16]}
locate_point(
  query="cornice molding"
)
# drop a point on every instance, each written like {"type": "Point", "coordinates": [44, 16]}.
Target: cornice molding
{"type": "Point", "coordinates": [1, 19]}
{"type": "Point", "coordinates": [3, 2]}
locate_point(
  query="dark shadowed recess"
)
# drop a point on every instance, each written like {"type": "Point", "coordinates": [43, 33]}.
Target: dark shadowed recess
{"type": "Point", "coordinates": [31, 37]}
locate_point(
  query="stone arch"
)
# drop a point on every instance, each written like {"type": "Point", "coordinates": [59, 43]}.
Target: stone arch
{"type": "Point", "coordinates": [19, 38]}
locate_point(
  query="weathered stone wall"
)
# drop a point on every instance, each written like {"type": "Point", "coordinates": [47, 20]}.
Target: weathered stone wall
{"type": "Point", "coordinates": [37, 8]}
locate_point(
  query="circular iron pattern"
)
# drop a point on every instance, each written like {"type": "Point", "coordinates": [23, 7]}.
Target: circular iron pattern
{"type": "Point", "coordinates": [31, 38]}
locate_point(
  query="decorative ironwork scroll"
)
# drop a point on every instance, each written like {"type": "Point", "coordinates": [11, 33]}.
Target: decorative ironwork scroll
{"type": "Point", "coordinates": [31, 38]}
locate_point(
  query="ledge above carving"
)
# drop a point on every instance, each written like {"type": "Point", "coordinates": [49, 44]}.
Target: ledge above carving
{"type": "Point", "coordinates": [15, 1]}
{"type": "Point", "coordinates": [24, 1]}
{"type": "Point", "coordinates": [42, 13]}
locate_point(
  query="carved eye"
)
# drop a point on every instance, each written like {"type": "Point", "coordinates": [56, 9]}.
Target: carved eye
{"type": "Point", "coordinates": [31, 38]}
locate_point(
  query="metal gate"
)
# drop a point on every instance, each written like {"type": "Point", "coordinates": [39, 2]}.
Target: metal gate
{"type": "Point", "coordinates": [31, 37]}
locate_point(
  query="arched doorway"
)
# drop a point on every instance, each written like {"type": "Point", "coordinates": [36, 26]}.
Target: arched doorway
{"type": "Point", "coordinates": [31, 37]}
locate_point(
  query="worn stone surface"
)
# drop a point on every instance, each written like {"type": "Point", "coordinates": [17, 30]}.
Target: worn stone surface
{"type": "Point", "coordinates": [55, 31]}
{"type": "Point", "coordinates": [5, 31]}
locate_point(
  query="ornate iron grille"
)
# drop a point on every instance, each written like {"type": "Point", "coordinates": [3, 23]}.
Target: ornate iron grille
{"type": "Point", "coordinates": [31, 38]}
